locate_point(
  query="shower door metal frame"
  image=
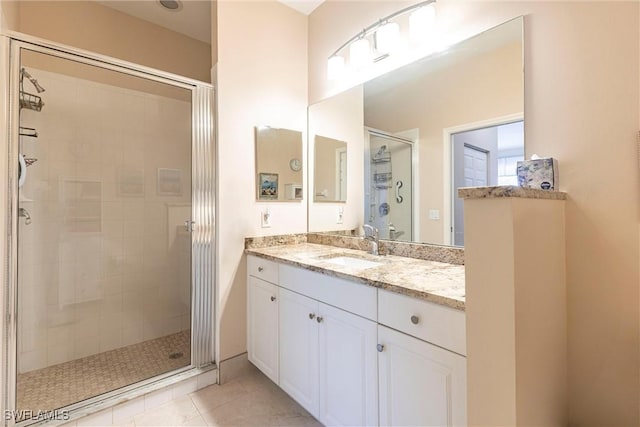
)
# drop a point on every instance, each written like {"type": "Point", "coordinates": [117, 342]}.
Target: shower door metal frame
{"type": "Point", "coordinates": [203, 186]}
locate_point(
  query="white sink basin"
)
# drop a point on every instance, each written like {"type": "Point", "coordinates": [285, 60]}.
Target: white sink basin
{"type": "Point", "coordinates": [347, 261]}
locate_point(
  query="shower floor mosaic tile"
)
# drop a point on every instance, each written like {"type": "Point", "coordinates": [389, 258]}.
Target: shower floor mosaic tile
{"type": "Point", "coordinates": [61, 385]}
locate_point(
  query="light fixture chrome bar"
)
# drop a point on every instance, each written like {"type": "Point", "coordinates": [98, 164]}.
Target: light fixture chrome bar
{"type": "Point", "coordinates": [371, 28]}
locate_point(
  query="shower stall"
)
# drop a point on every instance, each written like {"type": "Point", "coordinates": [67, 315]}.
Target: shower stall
{"type": "Point", "coordinates": [109, 284]}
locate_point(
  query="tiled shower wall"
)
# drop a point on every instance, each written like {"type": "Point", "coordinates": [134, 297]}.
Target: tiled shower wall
{"type": "Point", "coordinates": [105, 262]}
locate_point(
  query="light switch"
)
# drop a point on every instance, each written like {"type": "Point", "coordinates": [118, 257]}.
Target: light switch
{"type": "Point", "coordinates": [340, 216]}
{"type": "Point", "coordinates": [434, 214]}
{"type": "Point", "coordinates": [265, 218]}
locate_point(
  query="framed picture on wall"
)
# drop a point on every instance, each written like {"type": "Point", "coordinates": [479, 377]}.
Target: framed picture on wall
{"type": "Point", "coordinates": [267, 186]}
{"type": "Point", "coordinates": [169, 182]}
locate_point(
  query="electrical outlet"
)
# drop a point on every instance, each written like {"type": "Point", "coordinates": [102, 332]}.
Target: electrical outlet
{"type": "Point", "coordinates": [339, 218]}
{"type": "Point", "coordinates": [265, 218]}
{"type": "Point", "coordinates": [434, 214]}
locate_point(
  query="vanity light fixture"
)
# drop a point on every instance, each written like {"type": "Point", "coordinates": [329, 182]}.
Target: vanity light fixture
{"type": "Point", "coordinates": [421, 23]}
{"type": "Point", "coordinates": [360, 53]}
{"type": "Point", "coordinates": [336, 67]}
{"type": "Point", "coordinates": [386, 37]}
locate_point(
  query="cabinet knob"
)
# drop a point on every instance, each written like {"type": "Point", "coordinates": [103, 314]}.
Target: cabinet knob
{"type": "Point", "coordinates": [319, 319]}
{"type": "Point", "coordinates": [312, 316]}
{"type": "Point", "coordinates": [260, 269]}
{"type": "Point", "coordinates": [380, 348]}
{"type": "Point", "coordinates": [273, 298]}
{"type": "Point", "coordinates": [415, 320]}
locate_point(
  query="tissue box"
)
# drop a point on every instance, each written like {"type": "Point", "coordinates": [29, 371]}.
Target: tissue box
{"type": "Point", "coordinates": [539, 173]}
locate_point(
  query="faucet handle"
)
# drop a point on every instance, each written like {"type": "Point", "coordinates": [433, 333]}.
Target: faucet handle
{"type": "Point", "coordinates": [373, 230]}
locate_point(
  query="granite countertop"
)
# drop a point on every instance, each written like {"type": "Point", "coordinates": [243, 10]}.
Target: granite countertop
{"type": "Point", "coordinates": [499, 191]}
{"type": "Point", "coordinates": [432, 281]}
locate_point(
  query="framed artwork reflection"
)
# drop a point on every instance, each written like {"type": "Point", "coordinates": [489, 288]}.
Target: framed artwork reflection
{"type": "Point", "coordinates": [267, 186]}
{"type": "Point", "coordinates": [169, 182]}
{"type": "Point", "coordinates": [130, 182]}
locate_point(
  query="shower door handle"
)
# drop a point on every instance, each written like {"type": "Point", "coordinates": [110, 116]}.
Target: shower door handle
{"type": "Point", "coordinates": [399, 198]}
{"type": "Point", "coordinates": [189, 225]}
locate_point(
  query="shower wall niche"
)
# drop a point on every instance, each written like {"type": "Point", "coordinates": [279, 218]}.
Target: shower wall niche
{"type": "Point", "coordinates": [102, 265]}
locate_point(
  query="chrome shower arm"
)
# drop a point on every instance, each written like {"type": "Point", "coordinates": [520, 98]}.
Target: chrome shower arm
{"type": "Point", "coordinates": [33, 81]}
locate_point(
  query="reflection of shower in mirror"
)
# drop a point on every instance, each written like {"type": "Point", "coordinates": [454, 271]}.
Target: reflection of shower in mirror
{"type": "Point", "coordinates": [389, 169]}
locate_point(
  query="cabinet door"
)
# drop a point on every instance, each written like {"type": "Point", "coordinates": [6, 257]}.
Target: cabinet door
{"type": "Point", "coordinates": [262, 331]}
{"type": "Point", "coordinates": [348, 368]}
{"type": "Point", "coordinates": [299, 349]}
{"type": "Point", "coordinates": [420, 384]}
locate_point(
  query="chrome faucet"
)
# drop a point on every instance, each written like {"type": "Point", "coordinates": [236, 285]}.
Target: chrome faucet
{"type": "Point", "coordinates": [393, 233]}
{"type": "Point", "coordinates": [374, 236]}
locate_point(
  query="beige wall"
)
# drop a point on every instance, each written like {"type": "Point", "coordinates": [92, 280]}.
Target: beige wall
{"type": "Point", "coordinates": [262, 79]}
{"type": "Point", "coordinates": [96, 28]}
{"type": "Point", "coordinates": [8, 15]}
{"type": "Point", "coordinates": [214, 36]}
{"type": "Point", "coordinates": [479, 88]}
{"type": "Point", "coordinates": [581, 106]}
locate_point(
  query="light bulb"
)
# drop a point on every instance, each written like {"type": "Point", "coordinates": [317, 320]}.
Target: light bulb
{"type": "Point", "coordinates": [387, 37]}
{"type": "Point", "coordinates": [421, 23]}
{"type": "Point", "coordinates": [335, 67]}
{"type": "Point", "coordinates": [360, 53]}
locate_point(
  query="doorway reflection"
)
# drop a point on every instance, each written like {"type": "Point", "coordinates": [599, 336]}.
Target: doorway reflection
{"type": "Point", "coordinates": [481, 157]}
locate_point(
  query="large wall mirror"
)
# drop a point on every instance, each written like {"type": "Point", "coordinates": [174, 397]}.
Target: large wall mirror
{"type": "Point", "coordinates": [279, 172]}
{"type": "Point", "coordinates": [452, 119]}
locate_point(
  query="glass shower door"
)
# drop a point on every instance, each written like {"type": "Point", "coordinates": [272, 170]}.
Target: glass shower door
{"type": "Point", "coordinates": [104, 231]}
{"type": "Point", "coordinates": [389, 201]}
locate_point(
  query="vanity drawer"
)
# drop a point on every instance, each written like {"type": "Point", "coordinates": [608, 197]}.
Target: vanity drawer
{"type": "Point", "coordinates": [349, 296]}
{"type": "Point", "coordinates": [262, 269]}
{"type": "Point", "coordinates": [439, 325]}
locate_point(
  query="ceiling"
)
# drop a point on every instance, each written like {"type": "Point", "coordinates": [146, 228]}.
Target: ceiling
{"type": "Point", "coordinates": [193, 19]}
{"type": "Point", "coordinates": [303, 6]}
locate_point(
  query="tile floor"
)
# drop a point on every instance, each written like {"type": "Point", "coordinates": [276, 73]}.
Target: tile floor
{"type": "Point", "coordinates": [60, 385]}
{"type": "Point", "coordinates": [249, 400]}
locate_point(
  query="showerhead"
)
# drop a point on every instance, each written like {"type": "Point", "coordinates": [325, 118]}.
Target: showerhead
{"type": "Point", "coordinates": [33, 81]}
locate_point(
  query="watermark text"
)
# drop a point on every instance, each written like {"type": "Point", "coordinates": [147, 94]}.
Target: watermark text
{"type": "Point", "coordinates": [40, 415]}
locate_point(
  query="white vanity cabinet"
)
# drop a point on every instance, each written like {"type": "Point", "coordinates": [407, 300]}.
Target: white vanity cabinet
{"type": "Point", "coordinates": [328, 360]}
{"type": "Point", "coordinates": [420, 383]}
{"type": "Point", "coordinates": [348, 368]}
{"type": "Point", "coordinates": [351, 354]}
{"type": "Point", "coordinates": [262, 317]}
{"type": "Point", "coordinates": [298, 353]}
